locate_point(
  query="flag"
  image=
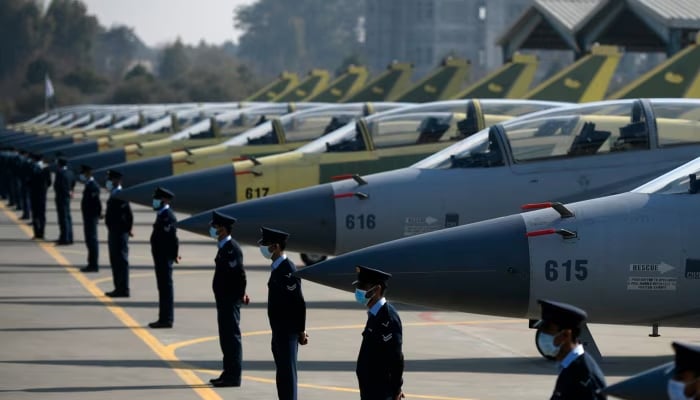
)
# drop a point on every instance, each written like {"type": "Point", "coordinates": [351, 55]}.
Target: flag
{"type": "Point", "coordinates": [49, 87]}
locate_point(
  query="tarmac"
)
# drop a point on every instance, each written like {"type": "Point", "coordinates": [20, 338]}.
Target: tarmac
{"type": "Point", "coordinates": [63, 339]}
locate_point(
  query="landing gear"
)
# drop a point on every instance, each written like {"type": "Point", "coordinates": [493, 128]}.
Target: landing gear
{"type": "Point", "coordinates": [654, 331]}
{"type": "Point", "coordinates": [311, 259]}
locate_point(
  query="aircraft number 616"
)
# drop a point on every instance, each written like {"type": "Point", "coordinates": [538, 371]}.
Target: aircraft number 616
{"type": "Point", "coordinates": [360, 221]}
{"type": "Point", "coordinates": [253, 193]}
{"type": "Point", "coordinates": [554, 271]}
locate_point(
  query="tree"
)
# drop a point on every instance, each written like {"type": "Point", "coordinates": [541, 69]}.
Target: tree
{"type": "Point", "coordinates": [297, 35]}
{"type": "Point", "coordinates": [174, 61]}
{"type": "Point", "coordinates": [71, 30]}
{"type": "Point", "coordinates": [116, 48]}
{"type": "Point", "coordinates": [20, 35]}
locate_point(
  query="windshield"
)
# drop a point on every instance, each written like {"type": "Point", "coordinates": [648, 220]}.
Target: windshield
{"type": "Point", "coordinates": [677, 121]}
{"type": "Point", "coordinates": [674, 182]}
{"type": "Point", "coordinates": [574, 131]}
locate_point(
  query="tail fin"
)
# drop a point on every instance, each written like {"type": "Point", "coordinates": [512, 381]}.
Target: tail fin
{"type": "Point", "coordinates": [676, 77]}
{"type": "Point", "coordinates": [348, 83]}
{"type": "Point", "coordinates": [511, 81]}
{"type": "Point", "coordinates": [585, 80]}
{"type": "Point", "coordinates": [386, 86]}
{"type": "Point", "coordinates": [280, 85]}
{"type": "Point", "coordinates": [443, 83]}
{"type": "Point", "coordinates": [316, 81]}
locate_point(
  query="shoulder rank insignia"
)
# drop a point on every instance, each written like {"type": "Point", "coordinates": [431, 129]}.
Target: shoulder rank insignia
{"type": "Point", "coordinates": [386, 324]}
{"type": "Point", "coordinates": [233, 263]}
{"type": "Point", "coordinates": [289, 275]}
{"type": "Point", "coordinates": [388, 337]}
{"type": "Point", "coordinates": [167, 228]}
{"type": "Point", "coordinates": [292, 287]}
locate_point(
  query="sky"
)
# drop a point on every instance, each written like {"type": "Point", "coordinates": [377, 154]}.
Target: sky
{"type": "Point", "coordinates": [158, 22]}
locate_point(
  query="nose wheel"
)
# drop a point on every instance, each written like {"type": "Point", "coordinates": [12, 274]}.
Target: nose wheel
{"type": "Point", "coordinates": [311, 259]}
{"type": "Point", "coordinates": [537, 344]}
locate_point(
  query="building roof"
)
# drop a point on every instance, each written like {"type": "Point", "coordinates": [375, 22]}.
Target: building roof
{"type": "Point", "coordinates": [683, 14]}
{"type": "Point", "coordinates": [642, 25]}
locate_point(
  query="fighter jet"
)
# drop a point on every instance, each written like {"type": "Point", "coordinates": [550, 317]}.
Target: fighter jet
{"type": "Point", "coordinates": [207, 132]}
{"type": "Point", "coordinates": [270, 137]}
{"type": "Point", "coordinates": [380, 142]}
{"type": "Point", "coordinates": [567, 154]}
{"type": "Point", "coordinates": [629, 258]}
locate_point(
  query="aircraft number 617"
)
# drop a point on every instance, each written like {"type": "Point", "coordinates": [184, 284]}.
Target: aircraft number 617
{"type": "Point", "coordinates": [554, 271]}
{"type": "Point", "coordinates": [253, 193]}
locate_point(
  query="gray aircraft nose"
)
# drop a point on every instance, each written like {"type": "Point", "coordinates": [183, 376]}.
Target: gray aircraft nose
{"type": "Point", "coordinates": [137, 172]}
{"type": "Point", "coordinates": [481, 268]}
{"type": "Point", "coordinates": [74, 149]}
{"type": "Point", "coordinates": [100, 160]}
{"type": "Point", "coordinates": [647, 385]}
{"type": "Point", "coordinates": [194, 192]}
{"type": "Point", "coordinates": [307, 214]}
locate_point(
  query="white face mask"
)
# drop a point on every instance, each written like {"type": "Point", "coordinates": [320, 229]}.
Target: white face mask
{"type": "Point", "coordinates": [82, 178]}
{"type": "Point", "coordinates": [40, 164]}
{"type": "Point", "coordinates": [265, 252]}
{"type": "Point", "coordinates": [545, 342]}
{"type": "Point", "coordinates": [157, 203]}
{"type": "Point", "coordinates": [676, 390]}
{"type": "Point", "coordinates": [109, 185]}
{"type": "Point", "coordinates": [213, 233]}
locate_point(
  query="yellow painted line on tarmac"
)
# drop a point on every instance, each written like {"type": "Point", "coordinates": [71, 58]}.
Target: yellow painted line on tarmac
{"type": "Point", "coordinates": [187, 375]}
{"type": "Point", "coordinates": [174, 346]}
{"type": "Point", "coordinates": [146, 275]}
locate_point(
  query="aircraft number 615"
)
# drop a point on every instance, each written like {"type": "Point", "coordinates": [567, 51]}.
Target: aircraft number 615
{"type": "Point", "coordinates": [254, 193]}
{"type": "Point", "coordinates": [554, 271]}
{"type": "Point", "coordinates": [360, 221]}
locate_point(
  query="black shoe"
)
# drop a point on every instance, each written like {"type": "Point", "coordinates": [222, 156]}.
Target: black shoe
{"type": "Point", "coordinates": [89, 269]}
{"type": "Point", "coordinates": [117, 293]}
{"type": "Point", "coordinates": [63, 243]}
{"type": "Point", "coordinates": [160, 324]}
{"type": "Point", "coordinates": [225, 383]}
{"type": "Point", "coordinates": [38, 238]}
{"type": "Point", "coordinates": [25, 217]}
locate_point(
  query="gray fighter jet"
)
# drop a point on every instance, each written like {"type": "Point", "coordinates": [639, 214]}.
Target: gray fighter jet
{"type": "Point", "coordinates": [631, 258]}
{"type": "Point", "coordinates": [566, 154]}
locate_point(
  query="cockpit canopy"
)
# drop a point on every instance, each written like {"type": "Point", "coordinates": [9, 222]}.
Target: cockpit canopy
{"type": "Point", "coordinates": [582, 130]}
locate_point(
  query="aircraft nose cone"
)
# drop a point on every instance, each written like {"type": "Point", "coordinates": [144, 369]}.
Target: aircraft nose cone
{"type": "Point", "coordinates": [100, 160]}
{"type": "Point", "coordinates": [138, 172]}
{"type": "Point", "coordinates": [481, 268]}
{"type": "Point", "coordinates": [307, 214]}
{"type": "Point", "coordinates": [647, 385]}
{"type": "Point", "coordinates": [194, 192]}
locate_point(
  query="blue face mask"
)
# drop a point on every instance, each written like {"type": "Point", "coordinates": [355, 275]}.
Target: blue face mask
{"type": "Point", "coordinates": [362, 297]}
{"type": "Point", "coordinates": [213, 233]}
{"type": "Point", "coordinates": [265, 252]}
{"type": "Point", "coordinates": [109, 185]}
{"type": "Point", "coordinates": [545, 342]}
{"type": "Point", "coordinates": [676, 390]}
{"type": "Point", "coordinates": [157, 203]}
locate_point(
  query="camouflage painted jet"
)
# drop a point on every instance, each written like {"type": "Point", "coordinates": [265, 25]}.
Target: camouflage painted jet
{"type": "Point", "coordinates": [380, 142]}
{"type": "Point", "coordinates": [609, 256]}
{"type": "Point", "coordinates": [566, 154]}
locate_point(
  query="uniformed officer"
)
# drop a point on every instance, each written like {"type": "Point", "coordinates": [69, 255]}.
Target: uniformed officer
{"type": "Point", "coordinates": [579, 375]}
{"type": "Point", "coordinates": [685, 384]}
{"type": "Point", "coordinates": [91, 209]}
{"type": "Point", "coordinates": [380, 362]}
{"type": "Point", "coordinates": [286, 310]}
{"type": "Point", "coordinates": [119, 220]}
{"type": "Point", "coordinates": [39, 184]}
{"type": "Point", "coordinates": [24, 171]}
{"type": "Point", "coordinates": [63, 185]}
{"type": "Point", "coordinates": [164, 249]}
{"type": "Point", "coordinates": [229, 286]}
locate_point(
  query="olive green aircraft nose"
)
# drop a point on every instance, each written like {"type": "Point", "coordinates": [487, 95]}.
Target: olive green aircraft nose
{"type": "Point", "coordinates": [188, 188]}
